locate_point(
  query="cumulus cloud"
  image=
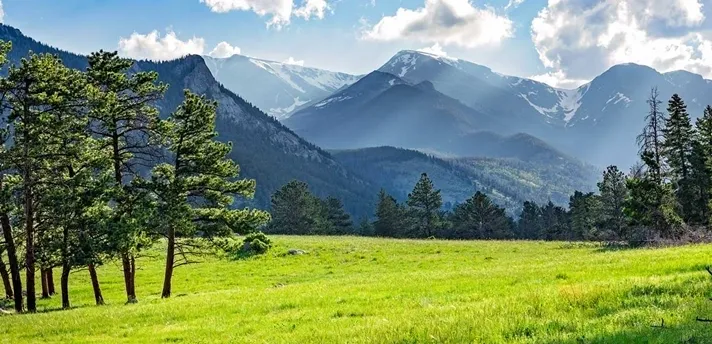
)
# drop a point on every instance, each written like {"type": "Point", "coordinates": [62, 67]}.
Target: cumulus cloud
{"type": "Point", "coordinates": [292, 61]}
{"type": "Point", "coordinates": [224, 49]}
{"type": "Point", "coordinates": [153, 46]}
{"type": "Point", "coordinates": [448, 22]}
{"type": "Point", "coordinates": [2, 13]}
{"type": "Point", "coordinates": [578, 39]}
{"type": "Point", "coordinates": [280, 11]}
{"type": "Point", "coordinates": [435, 49]}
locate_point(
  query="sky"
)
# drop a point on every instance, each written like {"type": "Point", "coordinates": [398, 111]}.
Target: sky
{"type": "Point", "coordinates": [561, 42]}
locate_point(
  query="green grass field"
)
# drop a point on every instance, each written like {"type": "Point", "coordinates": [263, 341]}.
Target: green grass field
{"type": "Point", "coordinates": [364, 290]}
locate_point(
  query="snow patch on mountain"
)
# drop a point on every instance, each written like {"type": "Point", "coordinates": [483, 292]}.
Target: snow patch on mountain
{"type": "Point", "coordinates": [542, 110]}
{"type": "Point", "coordinates": [280, 112]}
{"type": "Point", "coordinates": [332, 100]}
{"type": "Point", "coordinates": [570, 101]}
{"type": "Point", "coordinates": [275, 87]}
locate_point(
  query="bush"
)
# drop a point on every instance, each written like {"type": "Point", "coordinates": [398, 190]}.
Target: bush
{"type": "Point", "coordinates": [256, 243]}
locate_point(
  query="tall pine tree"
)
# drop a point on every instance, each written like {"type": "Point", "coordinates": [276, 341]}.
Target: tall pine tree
{"type": "Point", "coordinates": [195, 188]}
{"type": "Point", "coordinates": [613, 193]}
{"type": "Point", "coordinates": [678, 136]}
{"type": "Point", "coordinates": [424, 204]}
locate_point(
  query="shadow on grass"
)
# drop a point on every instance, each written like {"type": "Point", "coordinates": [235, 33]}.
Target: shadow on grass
{"type": "Point", "coordinates": [693, 332]}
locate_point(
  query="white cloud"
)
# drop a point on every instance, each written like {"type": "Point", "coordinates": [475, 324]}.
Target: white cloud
{"type": "Point", "coordinates": [153, 46]}
{"type": "Point", "coordinates": [513, 4]}
{"type": "Point", "coordinates": [578, 39]}
{"type": "Point", "coordinates": [449, 22]}
{"type": "Point", "coordinates": [292, 61]}
{"type": "Point", "coordinates": [281, 11]}
{"type": "Point", "coordinates": [435, 49]}
{"type": "Point", "coordinates": [224, 49]}
{"type": "Point", "coordinates": [314, 8]}
{"type": "Point", "coordinates": [2, 13]}
{"type": "Point", "coordinates": [558, 79]}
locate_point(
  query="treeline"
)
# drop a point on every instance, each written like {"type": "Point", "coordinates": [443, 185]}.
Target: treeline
{"type": "Point", "coordinates": [667, 196]}
{"type": "Point", "coordinates": [90, 173]}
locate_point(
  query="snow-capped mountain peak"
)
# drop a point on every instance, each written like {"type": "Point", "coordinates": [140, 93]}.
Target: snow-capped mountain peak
{"type": "Point", "coordinates": [277, 88]}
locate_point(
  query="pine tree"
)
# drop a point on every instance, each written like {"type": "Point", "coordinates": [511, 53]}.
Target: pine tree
{"type": "Point", "coordinates": [585, 213]}
{"type": "Point", "coordinates": [530, 222]}
{"type": "Point", "coordinates": [125, 120]}
{"type": "Point", "coordinates": [195, 188]}
{"type": "Point", "coordinates": [479, 218]}
{"type": "Point", "coordinates": [424, 205]}
{"type": "Point", "coordinates": [678, 136]}
{"type": "Point", "coordinates": [295, 210]}
{"type": "Point", "coordinates": [389, 217]}
{"type": "Point", "coordinates": [702, 164]}
{"type": "Point", "coordinates": [35, 91]}
{"type": "Point", "coordinates": [339, 221]}
{"type": "Point", "coordinates": [650, 203]}
{"type": "Point", "coordinates": [613, 193]}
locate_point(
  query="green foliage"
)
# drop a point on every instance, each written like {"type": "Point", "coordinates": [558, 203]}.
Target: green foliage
{"type": "Point", "coordinates": [424, 206]}
{"type": "Point", "coordinates": [613, 194]}
{"type": "Point", "coordinates": [257, 243]}
{"type": "Point", "coordinates": [479, 218]}
{"type": "Point", "coordinates": [586, 215]}
{"type": "Point", "coordinates": [296, 211]}
{"type": "Point", "coordinates": [677, 147]}
{"type": "Point", "coordinates": [390, 217]}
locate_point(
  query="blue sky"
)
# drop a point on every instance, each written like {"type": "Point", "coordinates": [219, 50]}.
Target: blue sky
{"type": "Point", "coordinates": [562, 42]}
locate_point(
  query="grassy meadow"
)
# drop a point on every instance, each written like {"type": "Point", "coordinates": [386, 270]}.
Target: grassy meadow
{"type": "Point", "coordinates": [366, 290]}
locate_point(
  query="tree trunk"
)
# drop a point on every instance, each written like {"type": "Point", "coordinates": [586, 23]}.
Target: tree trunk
{"type": "Point", "coordinates": [45, 287]}
{"type": "Point", "coordinates": [129, 272]}
{"type": "Point", "coordinates": [12, 260]}
{"type": "Point", "coordinates": [170, 258]}
{"type": "Point", "coordinates": [29, 245]}
{"type": "Point", "coordinates": [50, 282]}
{"type": "Point", "coordinates": [95, 285]}
{"type": "Point", "coordinates": [5, 278]}
{"type": "Point", "coordinates": [65, 284]}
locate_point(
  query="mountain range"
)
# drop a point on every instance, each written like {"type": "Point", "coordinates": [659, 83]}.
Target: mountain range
{"type": "Point", "coordinates": [416, 101]}
{"type": "Point", "coordinates": [456, 100]}
{"type": "Point", "coordinates": [273, 154]}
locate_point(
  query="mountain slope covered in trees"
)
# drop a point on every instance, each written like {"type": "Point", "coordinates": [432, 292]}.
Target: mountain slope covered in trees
{"type": "Point", "coordinates": [265, 149]}
{"type": "Point", "coordinates": [509, 182]}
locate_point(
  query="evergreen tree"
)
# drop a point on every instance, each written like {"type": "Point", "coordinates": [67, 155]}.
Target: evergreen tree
{"type": "Point", "coordinates": [678, 136]}
{"type": "Point", "coordinates": [479, 218]}
{"type": "Point", "coordinates": [650, 203]}
{"type": "Point", "coordinates": [585, 213]}
{"type": "Point", "coordinates": [365, 227]}
{"type": "Point", "coordinates": [295, 210]}
{"type": "Point", "coordinates": [389, 216]}
{"type": "Point", "coordinates": [613, 193]}
{"type": "Point", "coordinates": [702, 165]}
{"type": "Point", "coordinates": [339, 221]}
{"type": "Point", "coordinates": [196, 187]}
{"type": "Point", "coordinates": [555, 222]}
{"type": "Point", "coordinates": [530, 222]}
{"type": "Point", "coordinates": [34, 92]}
{"type": "Point", "coordinates": [424, 205]}
{"type": "Point", "coordinates": [126, 121]}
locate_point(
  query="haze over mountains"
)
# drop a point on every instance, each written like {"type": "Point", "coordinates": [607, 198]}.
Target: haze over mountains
{"type": "Point", "coordinates": [597, 122]}
{"type": "Point", "coordinates": [276, 88]}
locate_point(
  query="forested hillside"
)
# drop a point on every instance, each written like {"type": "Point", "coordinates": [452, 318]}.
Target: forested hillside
{"type": "Point", "coordinates": [265, 149]}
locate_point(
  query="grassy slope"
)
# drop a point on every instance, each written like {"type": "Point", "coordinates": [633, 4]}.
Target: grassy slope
{"type": "Point", "coordinates": [389, 291]}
